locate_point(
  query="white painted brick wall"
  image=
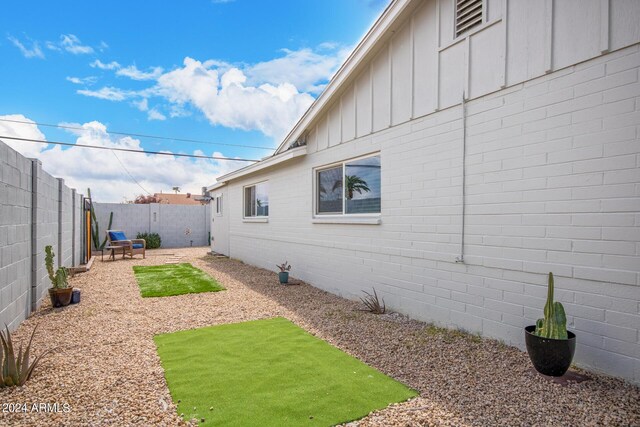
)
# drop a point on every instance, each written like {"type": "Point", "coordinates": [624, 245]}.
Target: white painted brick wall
{"type": "Point", "coordinates": [553, 184]}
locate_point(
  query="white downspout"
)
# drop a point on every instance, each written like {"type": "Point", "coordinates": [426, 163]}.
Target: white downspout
{"type": "Point", "coordinates": [460, 258]}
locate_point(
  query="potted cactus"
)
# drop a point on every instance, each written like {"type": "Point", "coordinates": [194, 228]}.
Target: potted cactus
{"type": "Point", "coordinates": [284, 272]}
{"type": "Point", "coordinates": [549, 344]}
{"type": "Point", "coordinates": [60, 292]}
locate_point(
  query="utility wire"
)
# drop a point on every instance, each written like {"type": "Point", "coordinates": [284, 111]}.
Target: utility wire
{"type": "Point", "coordinates": [129, 150]}
{"type": "Point", "coordinates": [129, 173]}
{"type": "Point", "coordinates": [139, 135]}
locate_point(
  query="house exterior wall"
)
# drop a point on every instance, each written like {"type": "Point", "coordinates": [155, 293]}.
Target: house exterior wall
{"type": "Point", "coordinates": [220, 223]}
{"type": "Point", "coordinates": [418, 67]}
{"type": "Point", "coordinates": [552, 184]}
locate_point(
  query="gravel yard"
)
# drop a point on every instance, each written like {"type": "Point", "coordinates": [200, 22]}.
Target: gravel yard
{"type": "Point", "coordinates": [105, 366]}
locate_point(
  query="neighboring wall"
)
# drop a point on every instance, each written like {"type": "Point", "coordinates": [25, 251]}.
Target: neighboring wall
{"type": "Point", "coordinates": [171, 222]}
{"type": "Point", "coordinates": [35, 211]}
{"type": "Point", "coordinates": [552, 184]}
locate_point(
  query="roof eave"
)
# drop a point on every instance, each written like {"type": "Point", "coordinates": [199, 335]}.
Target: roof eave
{"type": "Point", "coordinates": [267, 163]}
{"type": "Point", "coordinates": [368, 42]}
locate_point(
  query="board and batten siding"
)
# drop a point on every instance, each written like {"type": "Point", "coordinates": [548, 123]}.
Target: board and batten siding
{"type": "Point", "coordinates": [420, 68]}
{"type": "Point", "coordinates": [552, 177]}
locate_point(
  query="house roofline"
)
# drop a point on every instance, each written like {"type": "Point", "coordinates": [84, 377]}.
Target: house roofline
{"type": "Point", "coordinates": [263, 164]}
{"type": "Point", "coordinates": [364, 47]}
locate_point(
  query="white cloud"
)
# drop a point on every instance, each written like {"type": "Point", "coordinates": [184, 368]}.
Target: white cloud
{"type": "Point", "coordinates": [142, 105]}
{"type": "Point", "coordinates": [99, 169]}
{"type": "Point", "coordinates": [154, 114]}
{"type": "Point", "coordinates": [226, 100]}
{"type": "Point", "coordinates": [52, 46]}
{"type": "Point", "coordinates": [22, 130]}
{"type": "Point", "coordinates": [133, 73]}
{"type": "Point", "coordinates": [72, 44]}
{"type": "Point", "coordinates": [113, 65]}
{"type": "Point", "coordinates": [108, 93]}
{"type": "Point", "coordinates": [82, 80]}
{"type": "Point", "coordinates": [268, 96]}
{"type": "Point", "coordinates": [306, 69]}
{"type": "Point", "coordinates": [33, 52]}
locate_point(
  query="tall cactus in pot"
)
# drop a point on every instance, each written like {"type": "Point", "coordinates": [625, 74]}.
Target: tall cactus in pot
{"type": "Point", "coordinates": [95, 227]}
{"type": "Point", "coordinates": [554, 323]}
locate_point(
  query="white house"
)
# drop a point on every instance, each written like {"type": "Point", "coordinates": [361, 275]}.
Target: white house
{"type": "Point", "coordinates": [465, 149]}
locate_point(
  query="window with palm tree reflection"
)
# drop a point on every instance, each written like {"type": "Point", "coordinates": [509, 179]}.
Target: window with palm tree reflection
{"type": "Point", "coordinates": [352, 187]}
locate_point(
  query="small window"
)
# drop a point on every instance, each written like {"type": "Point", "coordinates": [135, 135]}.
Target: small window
{"type": "Point", "coordinates": [468, 15]}
{"type": "Point", "coordinates": [352, 187]}
{"type": "Point", "coordinates": [219, 204]}
{"type": "Point", "coordinates": [256, 200]}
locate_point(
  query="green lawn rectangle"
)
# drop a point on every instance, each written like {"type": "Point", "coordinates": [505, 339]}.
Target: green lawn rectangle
{"type": "Point", "coordinates": [173, 279]}
{"type": "Point", "coordinates": [269, 373]}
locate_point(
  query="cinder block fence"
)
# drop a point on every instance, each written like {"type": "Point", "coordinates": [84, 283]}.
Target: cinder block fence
{"type": "Point", "coordinates": [36, 210]}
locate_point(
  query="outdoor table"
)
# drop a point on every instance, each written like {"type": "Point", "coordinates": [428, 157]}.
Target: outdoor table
{"type": "Point", "coordinates": [113, 251]}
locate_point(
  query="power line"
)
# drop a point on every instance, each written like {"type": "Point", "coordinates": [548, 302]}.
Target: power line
{"type": "Point", "coordinates": [129, 150]}
{"type": "Point", "coordinates": [128, 173]}
{"type": "Point", "coordinates": [140, 135]}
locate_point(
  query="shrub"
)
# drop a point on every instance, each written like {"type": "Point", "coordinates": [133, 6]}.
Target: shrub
{"type": "Point", "coordinates": [153, 239]}
{"type": "Point", "coordinates": [372, 303]}
{"type": "Point", "coordinates": [15, 370]}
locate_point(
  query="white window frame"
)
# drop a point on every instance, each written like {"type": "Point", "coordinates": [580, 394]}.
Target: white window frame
{"type": "Point", "coordinates": [219, 209]}
{"type": "Point", "coordinates": [343, 214]}
{"type": "Point", "coordinates": [257, 218]}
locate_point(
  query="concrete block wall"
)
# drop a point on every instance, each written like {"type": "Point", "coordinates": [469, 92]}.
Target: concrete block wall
{"type": "Point", "coordinates": [552, 184]}
{"type": "Point", "coordinates": [46, 217]}
{"type": "Point", "coordinates": [65, 244]}
{"type": "Point", "coordinates": [35, 211]}
{"type": "Point", "coordinates": [77, 217]}
{"type": "Point", "coordinates": [15, 237]}
{"type": "Point", "coordinates": [169, 221]}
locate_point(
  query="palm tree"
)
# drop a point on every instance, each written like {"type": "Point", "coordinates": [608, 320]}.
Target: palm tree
{"type": "Point", "coordinates": [355, 183]}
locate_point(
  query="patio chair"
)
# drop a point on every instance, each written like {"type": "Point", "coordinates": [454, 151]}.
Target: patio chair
{"type": "Point", "coordinates": [131, 246]}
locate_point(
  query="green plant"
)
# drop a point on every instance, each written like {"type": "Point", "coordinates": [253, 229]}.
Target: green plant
{"type": "Point", "coordinates": [284, 267]}
{"type": "Point", "coordinates": [95, 227]}
{"type": "Point", "coordinates": [16, 370]}
{"type": "Point", "coordinates": [153, 240]}
{"type": "Point", "coordinates": [554, 323]}
{"type": "Point", "coordinates": [372, 303]}
{"type": "Point", "coordinates": [59, 278]}
{"type": "Point", "coordinates": [357, 184]}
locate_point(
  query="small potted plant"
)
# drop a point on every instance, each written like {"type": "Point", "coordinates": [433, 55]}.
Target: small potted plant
{"type": "Point", "coordinates": [60, 292]}
{"type": "Point", "coordinates": [284, 272]}
{"type": "Point", "coordinates": [550, 346]}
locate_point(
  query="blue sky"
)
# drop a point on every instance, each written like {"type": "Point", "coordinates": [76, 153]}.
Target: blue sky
{"type": "Point", "coordinates": [237, 72]}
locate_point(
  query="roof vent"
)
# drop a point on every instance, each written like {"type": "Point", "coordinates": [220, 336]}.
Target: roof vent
{"type": "Point", "coordinates": [468, 15]}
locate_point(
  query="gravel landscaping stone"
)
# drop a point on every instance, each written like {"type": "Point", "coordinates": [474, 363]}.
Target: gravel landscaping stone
{"type": "Point", "coordinates": [106, 369]}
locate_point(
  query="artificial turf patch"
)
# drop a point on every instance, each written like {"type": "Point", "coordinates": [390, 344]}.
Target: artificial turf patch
{"type": "Point", "coordinates": [269, 373]}
{"type": "Point", "coordinates": [173, 279]}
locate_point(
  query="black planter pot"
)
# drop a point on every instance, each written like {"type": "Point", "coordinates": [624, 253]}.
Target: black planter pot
{"type": "Point", "coordinates": [60, 297]}
{"type": "Point", "coordinates": [550, 356]}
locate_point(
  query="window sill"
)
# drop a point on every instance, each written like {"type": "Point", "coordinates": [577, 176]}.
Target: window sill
{"type": "Point", "coordinates": [259, 219]}
{"type": "Point", "coordinates": [375, 220]}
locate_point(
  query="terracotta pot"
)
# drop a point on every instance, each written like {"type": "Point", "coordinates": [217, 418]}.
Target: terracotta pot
{"type": "Point", "coordinates": [60, 297]}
